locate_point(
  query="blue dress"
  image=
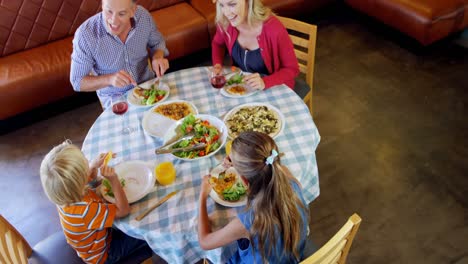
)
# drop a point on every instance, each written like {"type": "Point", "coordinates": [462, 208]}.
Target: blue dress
{"type": "Point", "coordinates": [245, 252]}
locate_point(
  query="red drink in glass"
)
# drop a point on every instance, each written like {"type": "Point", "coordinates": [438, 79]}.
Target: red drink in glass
{"type": "Point", "coordinates": [120, 108]}
{"type": "Point", "coordinates": [218, 81]}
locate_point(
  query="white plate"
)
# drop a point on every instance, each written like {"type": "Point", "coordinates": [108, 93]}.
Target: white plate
{"type": "Point", "coordinates": [275, 110]}
{"type": "Point", "coordinates": [155, 124]}
{"type": "Point", "coordinates": [215, 173]}
{"type": "Point", "coordinates": [139, 180]}
{"type": "Point", "coordinates": [147, 85]}
{"type": "Point", "coordinates": [249, 90]}
{"type": "Point", "coordinates": [214, 121]}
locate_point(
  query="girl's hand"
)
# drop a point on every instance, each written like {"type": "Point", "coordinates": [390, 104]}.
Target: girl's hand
{"type": "Point", "coordinates": [227, 163]}
{"type": "Point", "coordinates": [255, 81]}
{"type": "Point", "coordinates": [205, 187]}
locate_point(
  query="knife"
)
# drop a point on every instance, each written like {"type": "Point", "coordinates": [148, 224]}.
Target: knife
{"type": "Point", "coordinates": [169, 150]}
{"type": "Point", "coordinates": [138, 218]}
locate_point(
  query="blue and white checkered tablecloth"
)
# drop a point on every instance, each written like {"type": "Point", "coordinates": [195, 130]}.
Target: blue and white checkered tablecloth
{"type": "Point", "coordinates": [171, 229]}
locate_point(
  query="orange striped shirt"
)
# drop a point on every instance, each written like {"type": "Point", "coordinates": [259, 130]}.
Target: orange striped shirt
{"type": "Point", "coordinates": [86, 226]}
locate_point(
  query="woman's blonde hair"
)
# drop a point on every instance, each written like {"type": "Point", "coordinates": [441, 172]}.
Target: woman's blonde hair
{"type": "Point", "coordinates": [256, 12]}
{"type": "Point", "coordinates": [64, 172]}
{"type": "Point", "coordinates": [270, 196]}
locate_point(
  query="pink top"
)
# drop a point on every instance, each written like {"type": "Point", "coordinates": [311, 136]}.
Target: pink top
{"type": "Point", "coordinates": [275, 46]}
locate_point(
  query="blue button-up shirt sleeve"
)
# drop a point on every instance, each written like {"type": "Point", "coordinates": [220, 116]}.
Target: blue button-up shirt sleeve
{"type": "Point", "coordinates": [82, 61]}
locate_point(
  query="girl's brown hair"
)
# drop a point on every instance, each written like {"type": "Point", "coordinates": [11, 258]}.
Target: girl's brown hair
{"type": "Point", "coordinates": [270, 196]}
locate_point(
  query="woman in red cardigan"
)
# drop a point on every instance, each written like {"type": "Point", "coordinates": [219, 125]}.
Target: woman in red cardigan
{"type": "Point", "coordinates": [256, 41]}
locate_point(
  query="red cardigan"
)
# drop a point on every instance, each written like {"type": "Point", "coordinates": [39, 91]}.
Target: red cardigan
{"type": "Point", "coordinates": [275, 46]}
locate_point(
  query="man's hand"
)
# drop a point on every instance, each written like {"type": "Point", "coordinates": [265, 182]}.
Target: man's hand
{"type": "Point", "coordinates": [255, 81]}
{"type": "Point", "coordinates": [160, 65]}
{"type": "Point", "coordinates": [121, 79]}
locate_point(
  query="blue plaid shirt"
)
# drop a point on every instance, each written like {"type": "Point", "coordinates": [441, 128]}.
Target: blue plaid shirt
{"type": "Point", "coordinates": [98, 52]}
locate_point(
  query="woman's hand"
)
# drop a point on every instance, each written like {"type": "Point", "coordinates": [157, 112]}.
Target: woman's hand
{"type": "Point", "coordinates": [205, 187]}
{"type": "Point", "coordinates": [255, 81]}
{"type": "Point", "coordinates": [217, 69]}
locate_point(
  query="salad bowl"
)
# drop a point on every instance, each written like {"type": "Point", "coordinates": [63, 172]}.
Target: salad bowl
{"type": "Point", "coordinates": [205, 129]}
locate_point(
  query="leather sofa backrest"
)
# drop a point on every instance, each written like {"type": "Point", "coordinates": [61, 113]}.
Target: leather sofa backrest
{"type": "Point", "coordinates": [152, 5]}
{"type": "Point", "coordinates": [26, 24]}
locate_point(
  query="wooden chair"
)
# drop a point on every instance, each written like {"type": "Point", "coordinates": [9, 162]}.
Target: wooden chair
{"type": "Point", "coordinates": [14, 249]}
{"type": "Point", "coordinates": [304, 37]}
{"type": "Point", "coordinates": [337, 248]}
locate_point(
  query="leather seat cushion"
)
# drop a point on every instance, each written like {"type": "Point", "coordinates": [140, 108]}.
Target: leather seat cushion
{"type": "Point", "coordinates": [54, 249]}
{"type": "Point", "coordinates": [35, 77]}
{"type": "Point", "coordinates": [184, 29]}
{"type": "Point", "coordinates": [424, 20]}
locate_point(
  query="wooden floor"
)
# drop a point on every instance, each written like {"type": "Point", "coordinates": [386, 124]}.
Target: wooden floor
{"type": "Point", "coordinates": [393, 117]}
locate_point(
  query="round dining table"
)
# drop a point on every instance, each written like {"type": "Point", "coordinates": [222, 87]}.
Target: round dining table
{"type": "Point", "coordinates": [171, 229]}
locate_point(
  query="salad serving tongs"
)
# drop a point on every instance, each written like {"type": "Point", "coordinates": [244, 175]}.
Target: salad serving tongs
{"type": "Point", "coordinates": [176, 139]}
{"type": "Point", "coordinates": [169, 150]}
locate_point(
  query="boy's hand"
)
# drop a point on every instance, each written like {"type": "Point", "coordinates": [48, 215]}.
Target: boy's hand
{"type": "Point", "coordinates": [97, 163]}
{"type": "Point", "coordinates": [205, 187]}
{"type": "Point", "coordinates": [109, 173]}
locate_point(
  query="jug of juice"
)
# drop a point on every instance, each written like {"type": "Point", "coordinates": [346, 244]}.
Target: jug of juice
{"type": "Point", "coordinates": [165, 173]}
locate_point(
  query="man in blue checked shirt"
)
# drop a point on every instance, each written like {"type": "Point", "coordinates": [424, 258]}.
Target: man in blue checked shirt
{"type": "Point", "coordinates": [110, 50]}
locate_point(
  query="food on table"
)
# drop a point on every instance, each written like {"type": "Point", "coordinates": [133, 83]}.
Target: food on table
{"type": "Point", "coordinates": [149, 96]}
{"type": "Point", "coordinates": [107, 158]}
{"type": "Point", "coordinates": [253, 118]}
{"type": "Point", "coordinates": [236, 89]}
{"type": "Point", "coordinates": [203, 132]}
{"type": "Point", "coordinates": [235, 79]}
{"type": "Point", "coordinates": [176, 111]}
{"type": "Point", "coordinates": [227, 186]}
{"type": "Point", "coordinates": [108, 188]}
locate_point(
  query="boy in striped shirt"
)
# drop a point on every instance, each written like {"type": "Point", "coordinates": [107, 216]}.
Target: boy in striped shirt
{"type": "Point", "coordinates": [85, 217]}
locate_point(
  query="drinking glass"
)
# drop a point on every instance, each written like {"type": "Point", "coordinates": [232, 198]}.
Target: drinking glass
{"type": "Point", "coordinates": [120, 107]}
{"type": "Point", "coordinates": [218, 80]}
{"type": "Point", "coordinates": [165, 173]}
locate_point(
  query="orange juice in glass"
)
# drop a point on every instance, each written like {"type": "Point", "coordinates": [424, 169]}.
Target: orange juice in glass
{"type": "Point", "coordinates": [165, 173]}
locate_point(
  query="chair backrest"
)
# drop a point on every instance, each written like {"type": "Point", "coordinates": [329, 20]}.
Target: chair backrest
{"type": "Point", "coordinates": [337, 248]}
{"type": "Point", "coordinates": [13, 247]}
{"type": "Point", "coordinates": [303, 36]}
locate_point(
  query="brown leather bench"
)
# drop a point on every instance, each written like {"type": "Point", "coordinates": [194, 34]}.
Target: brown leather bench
{"type": "Point", "coordinates": [36, 42]}
{"type": "Point", "coordinates": [425, 20]}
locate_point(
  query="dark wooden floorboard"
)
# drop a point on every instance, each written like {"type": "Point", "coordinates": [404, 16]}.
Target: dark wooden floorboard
{"type": "Point", "coordinates": [393, 121]}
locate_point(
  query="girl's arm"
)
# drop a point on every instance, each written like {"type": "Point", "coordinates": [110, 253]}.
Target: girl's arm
{"type": "Point", "coordinates": [226, 235]}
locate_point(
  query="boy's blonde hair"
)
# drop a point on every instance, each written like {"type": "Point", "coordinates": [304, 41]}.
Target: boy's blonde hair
{"type": "Point", "coordinates": [64, 172]}
{"type": "Point", "coordinates": [256, 12]}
